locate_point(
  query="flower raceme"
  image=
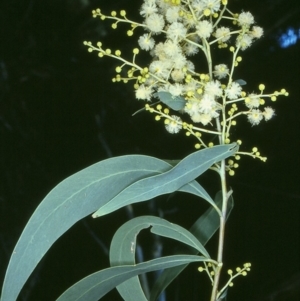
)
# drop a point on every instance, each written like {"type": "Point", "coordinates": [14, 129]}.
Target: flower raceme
{"type": "Point", "coordinates": [175, 32]}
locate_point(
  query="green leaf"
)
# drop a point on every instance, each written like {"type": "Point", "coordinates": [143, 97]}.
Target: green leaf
{"type": "Point", "coordinates": [185, 171]}
{"type": "Point", "coordinates": [96, 285]}
{"type": "Point", "coordinates": [122, 249]}
{"type": "Point", "coordinates": [174, 102]}
{"type": "Point", "coordinates": [195, 188]}
{"type": "Point", "coordinates": [204, 228]}
{"type": "Point", "coordinates": [71, 200]}
{"type": "Point", "coordinates": [241, 82]}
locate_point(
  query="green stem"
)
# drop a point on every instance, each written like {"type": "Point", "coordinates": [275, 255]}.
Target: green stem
{"type": "Point", "coordinates": [214, 294]}
{"type": "Point", "coordinates": [225, 196]}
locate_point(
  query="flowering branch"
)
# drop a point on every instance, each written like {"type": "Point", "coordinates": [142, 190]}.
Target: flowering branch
{"type": "Point", "coordinates": [202, 103]}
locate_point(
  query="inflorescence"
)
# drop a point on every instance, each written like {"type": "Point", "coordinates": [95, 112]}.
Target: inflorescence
{"type": "Point", "coordinates": [213, 98]}
{"type": "Point", "coordinates": [209, 268]}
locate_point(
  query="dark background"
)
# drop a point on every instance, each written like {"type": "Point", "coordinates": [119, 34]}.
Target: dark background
{"type": "Point", "coordinates": [59, 113]}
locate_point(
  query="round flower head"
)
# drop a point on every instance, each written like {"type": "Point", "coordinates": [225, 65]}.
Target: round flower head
{"type": "Point", "coordinates": [204, 29]}
{"type": "Point", "coordinates": [171, 48]}
{"type": "Point", "coordinates": [173, 126]}
{"type": "Point", "coordinates": [145, 42]}
{"type": "Point", "coordinates": [179, 61]}
{"type": "Point", "coordinates": [255, 116]}
{"type": "Point", "coordinates": [177, 75]}
{"type": "Point", "coordinates": [172, 14]}
{"type": "Point", "coordinates": [213, 88]}
{"type": "Point", "coordinates": [176, 31]}
{"type": "Point", "coordinates": [192, 107]}
{"type": "Point", "coordinates": [155, 23]}
{"type": "Point", "coordinates": [190, 66]}
{"type": "Point", "coordinates": [221, 71]}
{"type": "Point", "coordinates": [223, 34]}
{"type": "Point", "coordinates": [190, 49]}
{"type": "Point", "coordinates": [159, 51]}
{"type": "Point", "coordinates": [212, 5]}
{"type": "Point", "coordinates": [148, 8]}
{"type": "Point", "coordinates": [268, 113]}
{"type": "Point", "coordinates": [256, 32]}
{"type": "Point", "coordinates": [191, 86]}
{"type": "Point", "coordinates": [201, 118]}
{"type": "Point", "coordinates": [207, 104]}
{"type": "Point", "coordinates": [160, 68]}
{"type": "Point", "coordinates": [245, 19]}
{"type": "Point", "coordinates": [198, 7]}
{"type": "Point", "coordinates": [244, 41]}
{"type": "Point", "coordinates": [233, 91]}
{"type": "Point", "coordinates": [175, 89]}
{"type": "Point", "coordinates": [143, 92]}
{"type": "Point", "coordinates": [252, 101]}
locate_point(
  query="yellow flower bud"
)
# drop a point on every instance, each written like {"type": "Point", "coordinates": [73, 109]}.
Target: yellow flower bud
{"type": "Point", "coordinates": [206, 12]}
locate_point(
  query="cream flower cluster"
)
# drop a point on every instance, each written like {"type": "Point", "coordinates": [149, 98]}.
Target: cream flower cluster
{"type": "Point", "coordinates": [175, 33]}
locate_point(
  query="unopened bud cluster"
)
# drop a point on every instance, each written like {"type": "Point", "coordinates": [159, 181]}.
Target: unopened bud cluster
{"type": "Point", "coordinates": [210, 270]}
{"type": "Point", "coordinates": [175, 33]}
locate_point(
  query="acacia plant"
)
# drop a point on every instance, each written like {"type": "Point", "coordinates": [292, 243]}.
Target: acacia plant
{"type": "Point", "coordinates": [189, 84]}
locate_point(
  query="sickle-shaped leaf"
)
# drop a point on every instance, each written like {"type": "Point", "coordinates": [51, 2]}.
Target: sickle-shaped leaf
{"type": "Point", "coordinates": [174, 102]}
{"type": "Point", "coordinates": [204, 228]}
{"type": "Point", "coordinates": [96, 285]}
{"type": "Point", "coordinates": [185, 171]}
{"type": "Point", "coordinates": [71, 200]}
{"type": "Point", "coordinates": [122, 249]}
